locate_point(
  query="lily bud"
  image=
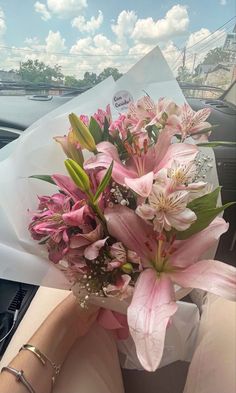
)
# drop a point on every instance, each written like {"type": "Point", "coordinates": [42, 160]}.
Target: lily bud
{"type": "Point", "coordinates": [127, 268]}
{"type": "Point", "coordinates": [71, 147]}
{"type": "Point", "coordinates": [82, 133]}
{"type": "Point", "coordinates": [78, 175]}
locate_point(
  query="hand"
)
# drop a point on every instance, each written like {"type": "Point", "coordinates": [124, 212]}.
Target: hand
{"type": "Point", "coordinates": [83, 318]}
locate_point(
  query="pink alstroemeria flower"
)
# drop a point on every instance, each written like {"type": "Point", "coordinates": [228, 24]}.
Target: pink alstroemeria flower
{"type": "Point", "coordinates": [167, 209]}
{"type": "Point", "coordinates": [167, 115]}
{"type": "Point", "coordinates": [192, 122]}
{"type": "Point", "coordinates": [139, 171]}
{"type": "Point", "coordinates": [121, 289]}
{"type": "Point", "coordinates": [100, 116]}
{"type": "Point", "coordinates": [85, 119]}
{"type": "Point", "coordinates": [166, 264]}
{"type": "Point", "coordinates": [121, 256]}
{"type": "Point", "coordinates": [120, 126]}
{"type": "Point", "coordinates": [71, 233]}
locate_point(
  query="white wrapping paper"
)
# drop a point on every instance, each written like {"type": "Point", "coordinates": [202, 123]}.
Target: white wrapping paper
{"type": "Point", "coordinates": [35, 152]}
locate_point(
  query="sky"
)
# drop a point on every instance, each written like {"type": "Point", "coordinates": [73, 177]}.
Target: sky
{"type": "Point", "coordinates": [89, 35]}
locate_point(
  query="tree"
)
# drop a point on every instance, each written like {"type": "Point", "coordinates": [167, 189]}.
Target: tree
{"type": "Point", "coordinates": [90, 79]}
{"type": "Point", "coordinates": [109, 71]}
{"type": "Point", "coordinates": [71, 81]}
{"type": "Point", "coordinates": [217, 55]}
{"type": "Point", "coordinates": [183, 74]}
{"type": "Point", "coordinates": [37, 71]}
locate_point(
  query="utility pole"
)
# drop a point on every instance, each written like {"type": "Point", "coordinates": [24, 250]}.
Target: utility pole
{"type": "Point", "coordinates": [194, 62]}
{"type": "Point", "coordinates": [184, 56]}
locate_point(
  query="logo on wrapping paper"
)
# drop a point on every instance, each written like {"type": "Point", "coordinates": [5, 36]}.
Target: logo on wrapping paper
{"type": "Point", "coordinates": [121, 100]}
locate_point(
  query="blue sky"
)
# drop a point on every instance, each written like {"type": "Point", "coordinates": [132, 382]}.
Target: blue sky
{"type": "Point", "coordinates": [84, 27]}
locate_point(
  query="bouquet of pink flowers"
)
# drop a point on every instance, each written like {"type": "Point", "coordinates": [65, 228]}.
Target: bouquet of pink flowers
{"type": "Point", "coordinates": [135, 217]}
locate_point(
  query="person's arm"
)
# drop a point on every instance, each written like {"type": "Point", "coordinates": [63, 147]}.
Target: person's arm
{"type": "Point", "coordinates": [54, 338]}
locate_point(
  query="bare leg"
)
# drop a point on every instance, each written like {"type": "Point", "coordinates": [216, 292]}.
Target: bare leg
{"type": "Point", "coordinates": [92, 366]}
{"type": "Point", "coordinates": [213, 366]}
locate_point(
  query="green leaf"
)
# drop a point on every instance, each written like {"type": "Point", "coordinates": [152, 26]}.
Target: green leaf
{"type": "Point", "coordinates": [106, 135]}
{"type": "Point", "coordinates": [95, 130]}
{"type": "Point", "coordinates": [164, 116]}
{"type": "Point", "coordinates": [204, 218]}
{"type": "Point", "coordinates": [206, 210]}
{"type": "Point", "coordinates": [46, 178]}
{"type": "Point", "coordinates": [206, 201]}
{"type": "Point", "coordinates": [104, 183]}
{"type": "Point", "coordinates": [217, 143]}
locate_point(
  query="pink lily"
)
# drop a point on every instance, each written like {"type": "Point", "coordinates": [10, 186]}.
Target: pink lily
{"type": "Point", "coordinates": [139, 171]}
{"type": "Point", "coordinates": [67, 185]}
{"type": "Point", "coordinates": [153, 302]}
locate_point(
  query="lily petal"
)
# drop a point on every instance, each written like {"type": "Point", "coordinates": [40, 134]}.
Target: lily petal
{"type": "Point", "coordinates": [162, 145]}
{"type": "Point", "coordinates": [67, 185]}
{"type": "Point", "coordinates": [109, 150]}
{"type": "Point", "coordinates": [148, 316]}
{"type": "Point", "coordinates": [125, 226]}
{"type": "Point", "coordinates": [119, 171]}
{"type": "Point", "coordinates": [189, 251]}
{"type": "Point", "coordinates": [141, 185]}
{"type": "Point", "coordinates": [183, 152]}
{"type": "Point", "coordinates": [212, 276]}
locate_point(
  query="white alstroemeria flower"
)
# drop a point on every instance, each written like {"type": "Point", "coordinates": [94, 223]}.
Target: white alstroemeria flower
{"type": "Point", "coordinates": [167, 210]}
{"type": "Point", "coordinates": [181, 173]}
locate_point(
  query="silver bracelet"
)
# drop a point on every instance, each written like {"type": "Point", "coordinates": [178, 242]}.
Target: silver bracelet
{"type": "Point", "coordinates": [19, 374]}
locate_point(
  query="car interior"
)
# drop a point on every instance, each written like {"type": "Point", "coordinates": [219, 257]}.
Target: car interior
{"type": "Point", "coordinates": [16, 297]}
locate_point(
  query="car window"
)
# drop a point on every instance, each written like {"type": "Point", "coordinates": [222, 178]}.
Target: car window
{"type": "Point", "coordinates": [53, 47]}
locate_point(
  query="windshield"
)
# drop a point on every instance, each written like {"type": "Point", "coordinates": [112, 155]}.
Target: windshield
{"type": "Point", "coordinates": [59, 46]}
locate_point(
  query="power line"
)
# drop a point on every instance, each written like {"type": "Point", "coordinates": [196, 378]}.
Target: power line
{"type": "Point", "coordinates": [103, 55]}
{"type": "Point", "coordinates": [219, 28]}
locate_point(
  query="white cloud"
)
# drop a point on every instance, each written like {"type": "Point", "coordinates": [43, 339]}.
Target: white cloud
{"type": "Point", "coordinates": [81, 46]}
{"type": "Point", "coordinates": [42, 9]}
{"type": "Point", "coordinates": [223, 2]}
{"type": "Point", "coordinates": [98, 45]}
{"type": "Point", "coordinates": [31, 41]}
{"type": "Point", "coordinates": [55, 42]}
{"type": "Point", "coordinates": [3, 26]}
{"type": "Point", "coordinates": [133, 38]}
{"type": "Point", "coordinates": [101, 53]}
{"type": "Point", "coordinates": [125, 24]}
{"type": "Point", "coordinates": [204, 39]}
{"type": "Point", "coordinates": [140, 48]}
{"type": "Point", "coordinates": [88, 26]}
{"type": "Point", "coordinates": [172, 55]}
{"type": "Point", "coordinates": [66, 8]}
{"type": "Point", "coordinates": [60, 8]}
{"type": "Point", "coordinates": [174, 23]}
